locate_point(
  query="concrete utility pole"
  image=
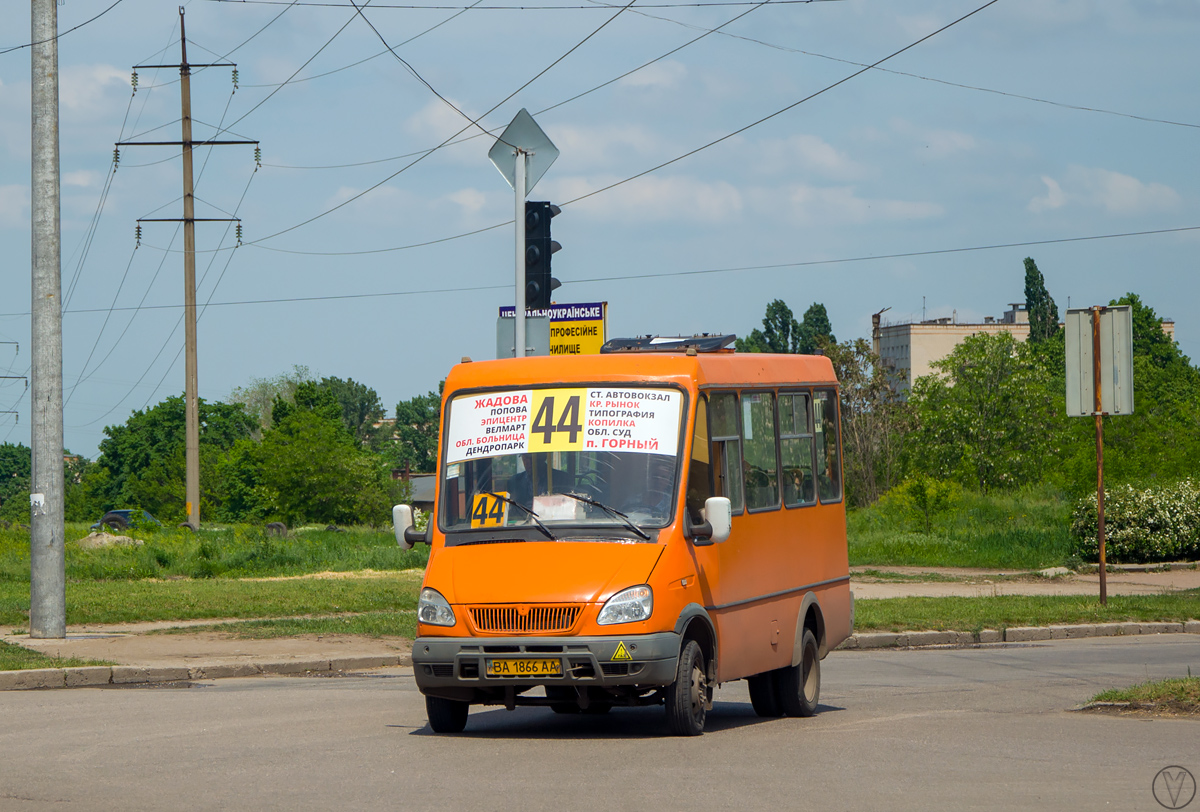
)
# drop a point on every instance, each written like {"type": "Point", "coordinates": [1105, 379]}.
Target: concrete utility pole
{"type": "Point", "coordinates": [192, 386]}
{"type": "Point", "coordinates": [47, 579]}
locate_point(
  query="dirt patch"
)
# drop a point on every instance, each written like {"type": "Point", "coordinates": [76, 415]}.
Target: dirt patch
{"type": "Point", "coordinates": [1168, 708]}
{"type": "Point", "coordinates": [100, 539]}
{"type": "Point", "coordinates": [333, 576]}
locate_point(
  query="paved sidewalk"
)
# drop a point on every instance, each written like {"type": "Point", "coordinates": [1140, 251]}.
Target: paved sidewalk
{"type": "Point", "coordinates": [141, 657]}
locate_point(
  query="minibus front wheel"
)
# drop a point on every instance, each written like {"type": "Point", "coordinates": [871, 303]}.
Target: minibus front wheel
{"type": "Point", "coordinates": [687, 696]}
{"type": "Point", "coordinates": [446, 715]}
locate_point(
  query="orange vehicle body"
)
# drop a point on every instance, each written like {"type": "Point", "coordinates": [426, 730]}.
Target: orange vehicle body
{"type": "Point", "coordinates": [747, 600]}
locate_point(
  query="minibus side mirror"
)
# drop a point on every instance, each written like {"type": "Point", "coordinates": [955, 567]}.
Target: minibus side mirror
{"type": "Point", "coordinates": [717, 522]}
{"type": "Point", "coordinates": [402, 523]}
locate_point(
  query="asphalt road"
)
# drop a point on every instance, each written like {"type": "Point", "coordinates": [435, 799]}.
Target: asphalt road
{"type": "Point", "coordinates": [973, 728]}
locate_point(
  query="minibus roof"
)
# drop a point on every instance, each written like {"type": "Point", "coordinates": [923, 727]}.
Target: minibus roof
{"type": "Point", "coordinates": [705, 370]}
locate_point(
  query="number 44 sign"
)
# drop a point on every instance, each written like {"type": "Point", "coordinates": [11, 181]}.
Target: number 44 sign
{"type": "Point", "coordinates": [557, 420]}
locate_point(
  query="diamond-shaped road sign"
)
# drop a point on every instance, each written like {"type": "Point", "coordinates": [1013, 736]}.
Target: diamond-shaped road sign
{"type": "Point", "coordinates": [523, 133]}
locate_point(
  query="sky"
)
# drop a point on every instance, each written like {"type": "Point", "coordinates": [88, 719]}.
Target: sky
{"type": "Point", "coordinates": [713, 157]}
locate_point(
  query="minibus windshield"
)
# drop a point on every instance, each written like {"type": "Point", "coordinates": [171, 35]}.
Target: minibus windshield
{"type": "Point", "coordinates": [589, 456]}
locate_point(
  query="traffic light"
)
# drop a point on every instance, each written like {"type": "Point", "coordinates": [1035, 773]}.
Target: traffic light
{"type": "Point", "coordinates": [538, 248]}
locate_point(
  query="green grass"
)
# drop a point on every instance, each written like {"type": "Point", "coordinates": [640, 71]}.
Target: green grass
{"type": "Point", "coordinates": [235, 552]}
{"type": "Point", "coordinates": [1181, 694]}
{"type": "Point", "coordinates": [130, 601]}
{"type": "Point", "coordinates": [15, 658]}
{"type": "Point", "coordinates": [369, 624]}
{"type": "Point", "coordinates": [1025, 531]}
{"type": "Point", "coordinates": [1004, 611]}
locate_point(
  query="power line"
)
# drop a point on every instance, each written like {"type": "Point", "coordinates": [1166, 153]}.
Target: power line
{"type": "Point", "coordinates": [668, 274]}
{"type": "Point", "coordinates": [488, 112]}
{"type": "Point", "coordinates": [783, 110]}
{"type": "Point", "coordinates": [588, 7]}
{"type": "Point", "coordinates": [61, 34]}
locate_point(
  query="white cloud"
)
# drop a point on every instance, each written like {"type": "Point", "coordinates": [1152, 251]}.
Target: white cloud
{"type": "Point", "coordinates": [471, 201]}
{"type": "Point", "coordinates": [940, 143]}
{"type": "Point", "coordinates": [604, 145]}
{"type": "Point", "coordinates": [674, 199]}
{"type": "Point", "coordinates": [807, 205]}
{"type": "Point", "coordinates": [664, 75]}
{"type": "Point", "coordinates": [14, 200]}
{"type": "Point", "coordinates": [1053, 199]}
{"type": "Point", "coordinates": [83, 89]}
{"type": "Point", "coordinates": [82, 177]}
{"type": "Point", "coordinates": [1113, 192]}
{"type": "Point", "coordinates": [438, 120]}
{"type": "Point", "coordinates": [808, 153]}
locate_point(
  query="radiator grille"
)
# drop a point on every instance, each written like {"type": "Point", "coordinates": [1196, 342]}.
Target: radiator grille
{"type": "Point", "coordinates": [524, 619]}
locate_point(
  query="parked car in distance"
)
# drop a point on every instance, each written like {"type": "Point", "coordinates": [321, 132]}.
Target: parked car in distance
{"type": "Point", "coordinates": [121, 519]}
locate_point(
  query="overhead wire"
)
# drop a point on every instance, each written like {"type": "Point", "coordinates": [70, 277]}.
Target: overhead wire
{"type": "Point", "coordinates": [61, 34]}
{"type": "Point", "coordinates": [693, 272]}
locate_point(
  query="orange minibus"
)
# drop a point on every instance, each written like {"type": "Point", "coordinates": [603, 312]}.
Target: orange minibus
{"type": "Point", "coordinates": [633, 528]}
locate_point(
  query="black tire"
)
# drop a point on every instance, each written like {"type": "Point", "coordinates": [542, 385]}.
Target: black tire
{"type": "Point", "coordinates": [800, 685]}
{"type": "Point", "coordinates": [446, 715]}
{"type": "Point", "coordinates": [687, 696]}
{"type": "Point", "coordinates": [187, 526]}
{"type": "Point", "coordinates": [114, 520]}
{"type": "Point", "coordinates": [276, 529]}
{"type": "Point", "coordinates": [764, 694]}
{"type": "Point", "coordinates": [564, 699]}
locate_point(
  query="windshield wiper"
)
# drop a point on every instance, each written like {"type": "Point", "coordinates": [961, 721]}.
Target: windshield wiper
{"type": "Point", "coordinates": [587, 500]}
{"type": "Point", "coordinates": [532, 515]}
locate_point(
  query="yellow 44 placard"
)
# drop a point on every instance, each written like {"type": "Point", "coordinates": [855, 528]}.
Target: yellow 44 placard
{"type": "Point", "coordinates": [558, 418]}
{"type": "Point", "coordinates": [488, 511]}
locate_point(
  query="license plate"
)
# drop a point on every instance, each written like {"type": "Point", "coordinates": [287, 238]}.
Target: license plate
{"type": "Point", "coordinates": [539, 667]}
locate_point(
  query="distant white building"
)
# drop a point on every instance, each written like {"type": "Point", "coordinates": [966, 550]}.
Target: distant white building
{"type": "Point", "coordinates": [911, 347]}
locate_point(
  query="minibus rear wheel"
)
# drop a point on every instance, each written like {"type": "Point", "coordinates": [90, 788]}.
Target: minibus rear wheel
{"type": "Point", "coordinates": [688, 694]}
{"type": "Point", "coordinates": [446, 715]}
{"type": "Point", "coordinates": [764, 694]}
{"type": "Point", "coordinates": [800, 685]}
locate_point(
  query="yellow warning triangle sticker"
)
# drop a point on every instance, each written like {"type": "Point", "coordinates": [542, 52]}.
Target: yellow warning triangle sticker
{"type": "Point", "coordinates": [621, 653]}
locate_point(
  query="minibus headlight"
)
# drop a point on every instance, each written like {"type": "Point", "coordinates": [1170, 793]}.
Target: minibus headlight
{"type": "Point", "coordinates": [627, 606]}
{"type": "Point", "coordinates": [433, 609]}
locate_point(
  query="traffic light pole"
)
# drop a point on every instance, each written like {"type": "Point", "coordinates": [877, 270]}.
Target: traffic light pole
{"type": "Point", "coordinates": [519, 309]}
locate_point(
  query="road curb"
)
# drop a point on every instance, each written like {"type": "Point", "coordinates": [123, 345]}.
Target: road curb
{"type": "Point", "coordinates": [1016, 634]}
{"type": "Point", "coordinates": [92, 676]}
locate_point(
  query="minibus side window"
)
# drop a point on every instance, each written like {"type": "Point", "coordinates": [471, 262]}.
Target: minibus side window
{"type": "Point", "coordinates": [796, 447]}
{"type": "Point", "coordinates": [726, 448]}
{"type": "Point", "coordinates": [699, 482]}
{"type": "Point", "coordinates": [829, 473]}
{"type": "Point", "coordinates": [761, 464]}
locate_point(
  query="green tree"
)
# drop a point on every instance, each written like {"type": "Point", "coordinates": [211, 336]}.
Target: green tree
{"type": "Point", "coordinates": [991, 416]}
{"type": "Point", "coordinates": [923, 498]}
{"type": "Point", "coordinates": [780, 333]}
{"type": "Point", "coordinates": [874, 420]}
{"type": "Point", "coordinates": [361, 408]}
{"type": "Point", "coordinates": [814, 329]}
{"type": "Point", "coordinates": [16, 467]}
{"type": "Point", "coordinates": [259, 395]}
{"type": "Point", "coordinates": [309, 396]}
{"type": "Point", "coordinates": [1043, 313]}
{"type": "Point", "coordinates": [141, 462]}
{"type": "Point", "coordinates": [417, 432]}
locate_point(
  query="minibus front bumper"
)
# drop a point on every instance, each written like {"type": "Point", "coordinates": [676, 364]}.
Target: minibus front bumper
{"type": "Point", "coordinates": [458, 667]}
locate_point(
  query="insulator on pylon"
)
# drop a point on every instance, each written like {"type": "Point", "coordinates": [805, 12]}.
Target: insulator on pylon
{"type": "Point", "coordinates": [138, 235]}
{"type": "Point", "coordinates": [133, 80]}
{"type": "Point", "coordinates": [235, 79]}
{"type": "Point", "coordinates": [239, 234]}
{"type": "Point", "coordinates": [258, 157]}
{"type": "Point", "coordinates": [116, 157]}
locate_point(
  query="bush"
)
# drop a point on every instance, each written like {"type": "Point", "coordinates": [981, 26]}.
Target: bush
{"type": "Point", "coordinates": [1141, 526]}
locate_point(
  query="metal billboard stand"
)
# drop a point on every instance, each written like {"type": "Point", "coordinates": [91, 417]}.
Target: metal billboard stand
{"type": "Point", "coordinates": [1099, 354]}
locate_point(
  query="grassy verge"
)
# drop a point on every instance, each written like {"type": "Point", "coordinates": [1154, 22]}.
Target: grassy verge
{"type": "Point", "coordinates": [368, 624]}
{"type": "Point", "coordinates": [15, 658]}
{"type": "Point", "coordinates": [1171, 696]}
{"type": "Point", "coordinates": [1004, 611]}
{"type": "Point", "coordinates": [132, 601]}
{"type": "Point", "coordinates": [1026, 531]}
{"type": "Point", "coordinates": [232, 552]}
